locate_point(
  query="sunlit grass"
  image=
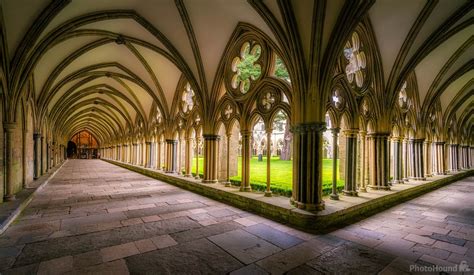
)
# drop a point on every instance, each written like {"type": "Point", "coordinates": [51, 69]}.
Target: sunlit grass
{"type": "Point", "coordinates": [280, 174]}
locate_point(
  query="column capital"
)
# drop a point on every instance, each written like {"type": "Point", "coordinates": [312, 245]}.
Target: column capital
{"type": "Point", "coordinates": [172, 141]}
{"type": "Point", "coordinates": [8, 126]}
{"type": "Point", "coordinates": [397, 139]}
{"type": "Point", "coordinates": [351, 133]}
{"type": "Point", "coordinates": [246, 133]}
{"type": "Point", "coordinates": [439, 142]}
{"type": "Point", "coordinates": [36, 135]}
{"type": "Point", "coordinates": [309, 127]}
{"type": "Point", "coordinates": [335, 130]}
{"type": "Point", "coordinates": [378, 135]}
{"type": "Point", "coordinates": [211, 137]}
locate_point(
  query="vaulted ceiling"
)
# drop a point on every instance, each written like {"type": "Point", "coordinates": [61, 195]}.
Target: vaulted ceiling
{"type": "Point", "coordinates": [103, 65]}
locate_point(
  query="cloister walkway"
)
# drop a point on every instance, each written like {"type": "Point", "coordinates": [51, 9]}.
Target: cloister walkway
{"type": "Point", "coordinates": [97, 217]}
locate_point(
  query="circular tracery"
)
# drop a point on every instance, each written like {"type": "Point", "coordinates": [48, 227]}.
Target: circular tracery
{"type": "Point", "coordinates": [245, 66]}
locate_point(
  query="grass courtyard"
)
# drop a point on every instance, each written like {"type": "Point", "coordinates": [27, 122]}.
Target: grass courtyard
{"type": "Point", "coordinates": [281, 174]}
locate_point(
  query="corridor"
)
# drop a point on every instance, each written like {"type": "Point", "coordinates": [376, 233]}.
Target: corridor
{"type": "Point", "coordinates": [97, 217]}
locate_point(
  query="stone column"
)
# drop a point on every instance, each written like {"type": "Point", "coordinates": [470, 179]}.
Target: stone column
{"type": "Point", "coordinates": [397, 160]}
{"type": "Point", "coordinates": [188, 157]}
{"type": "Point", "coordinates": [158, 162]}
{"type": "Point", "coordinates": [427, 157]}
{"type": "Point", "coordinates": [378, 161]}
{"type": "Point", "coordinates": [148, 154]}
{"type": "Point", "coordinates": [43, 166]}
{"type": "Point", "coordinates": [307, 166]}
{"type": "Point", "coordinates": [198, 140]}
{"type": "Point", "coordinates": [135, 154]}
{"type": "Point", "coordinates": [417, 166]}
{"type": "Point", "coordinates": [171, 154]}
{"type": "Point", "coordinates": [211, 145]}
{"type": "Point", "coordinates": [246, 156]}
{"type": "Point", "coordinates": [9, 188]}
{"type": "Point", "coordinates": [439, 146]}
{"type": "Point", "coordinates": [334, 195]}
{"type": "Point", "coordinates": [227, 177]}
{"type": "Point", "coordinates": [37, 155]}
{"type": "Point", "coordinates": [363, 173]}
{"type": "Point", "coordinates": [466, 156]}
{"type": "Point", "coordinates": [268, 191]}
{"type": "Point", "coordinates": [405, 159]}
{"type": "Point", "coordinates": [350, 188]}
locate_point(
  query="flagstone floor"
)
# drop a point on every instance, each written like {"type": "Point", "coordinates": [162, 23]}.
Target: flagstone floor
{"type": "Point", "coordinates": [94, 217]}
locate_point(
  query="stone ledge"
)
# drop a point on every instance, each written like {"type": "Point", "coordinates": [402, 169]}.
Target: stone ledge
{"type": "Point", "coordinates": [9, 211]}
{"type": "Point", "coordinates": [347, 209]}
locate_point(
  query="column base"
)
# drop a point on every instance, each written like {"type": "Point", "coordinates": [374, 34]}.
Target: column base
{"type": "Point", "coordinates": [334, 197]}
{"type": "Point", "coordinates": [429, 175]}
{"type": "Point", "coordinates": [268, 193]}
{"type": "Point", "coordinates": [363, 189]}
{"type": "Point", "coordinates": [187, 175]}
{"type": "Point", "coordinates": [376, 187]}
{"type": "Point", "coordinates": [9, 198]}
{"type": "Point", "coordinates": [397, 181]}
{"type": "Point", "coordinates": [246, 189]}
{"type": "Point", "coordinates": [310, 206]}
{"type": "Point", "coordinates": [350, 193]}
{"type": "Point", "coordinates": [209, 181]}
{"type": "Point", "coordinates": [227, 183]}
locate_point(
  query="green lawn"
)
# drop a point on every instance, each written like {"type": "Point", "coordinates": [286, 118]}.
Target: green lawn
{"type": "Point", "coordinates": [280, 174]}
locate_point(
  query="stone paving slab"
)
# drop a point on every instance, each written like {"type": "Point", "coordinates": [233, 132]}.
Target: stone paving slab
{"type": "Point", "coordinates": [95, 218]}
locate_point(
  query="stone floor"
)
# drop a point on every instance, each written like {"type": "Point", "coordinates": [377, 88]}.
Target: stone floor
{"type": "Point", "coordinates": [94, 217]}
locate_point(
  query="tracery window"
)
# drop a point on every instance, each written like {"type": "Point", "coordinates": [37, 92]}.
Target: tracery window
{"type": "Point", "coordinates": [356, 60]}
{"type": "Point", "coordinates": [245, 67]}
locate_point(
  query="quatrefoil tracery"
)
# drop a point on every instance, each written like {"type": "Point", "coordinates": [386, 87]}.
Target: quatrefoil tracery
{"type": "Point", "coordinates": [245, 67]}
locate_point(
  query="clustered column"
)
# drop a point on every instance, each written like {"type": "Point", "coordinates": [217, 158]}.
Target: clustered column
{"type": "Point", "coordinates": [427, 158]}
{"type": "Point", "coordinates": [307, 180]}
{"type": "Point", "coordinates": [189, 157]}
{"type": "Point", "coordinates": [37, 154]}
{"type": "Point", "coordinates": [148, 154]}
{"type": "Point", "coordinates": [171, 153]}
{"type": "Point", "coordinates": [416, 159]}
{"type": "Point", "coordinates": [397, 160]}
{"type": "Point", "coordinates": [350, 188]}
{"type": "Point", "coordinates": [438, 158]}
{"type": "Point", "coordinates": [378, 161]}
{"type": "Point", "coordinates": [334, 195]}
{"type": "Point", "coordinates": [9, 194]}
{"type": "Point", "coordinates": [268, 192]}
{"type": "Point", "coordinates": [246, 155]}
{"type": "Point", "coordinates": [363, 163]}
{"type": "Point", "coordinates": [211, 146]}
{"type": "Point", "coordinates": [453, 157]}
